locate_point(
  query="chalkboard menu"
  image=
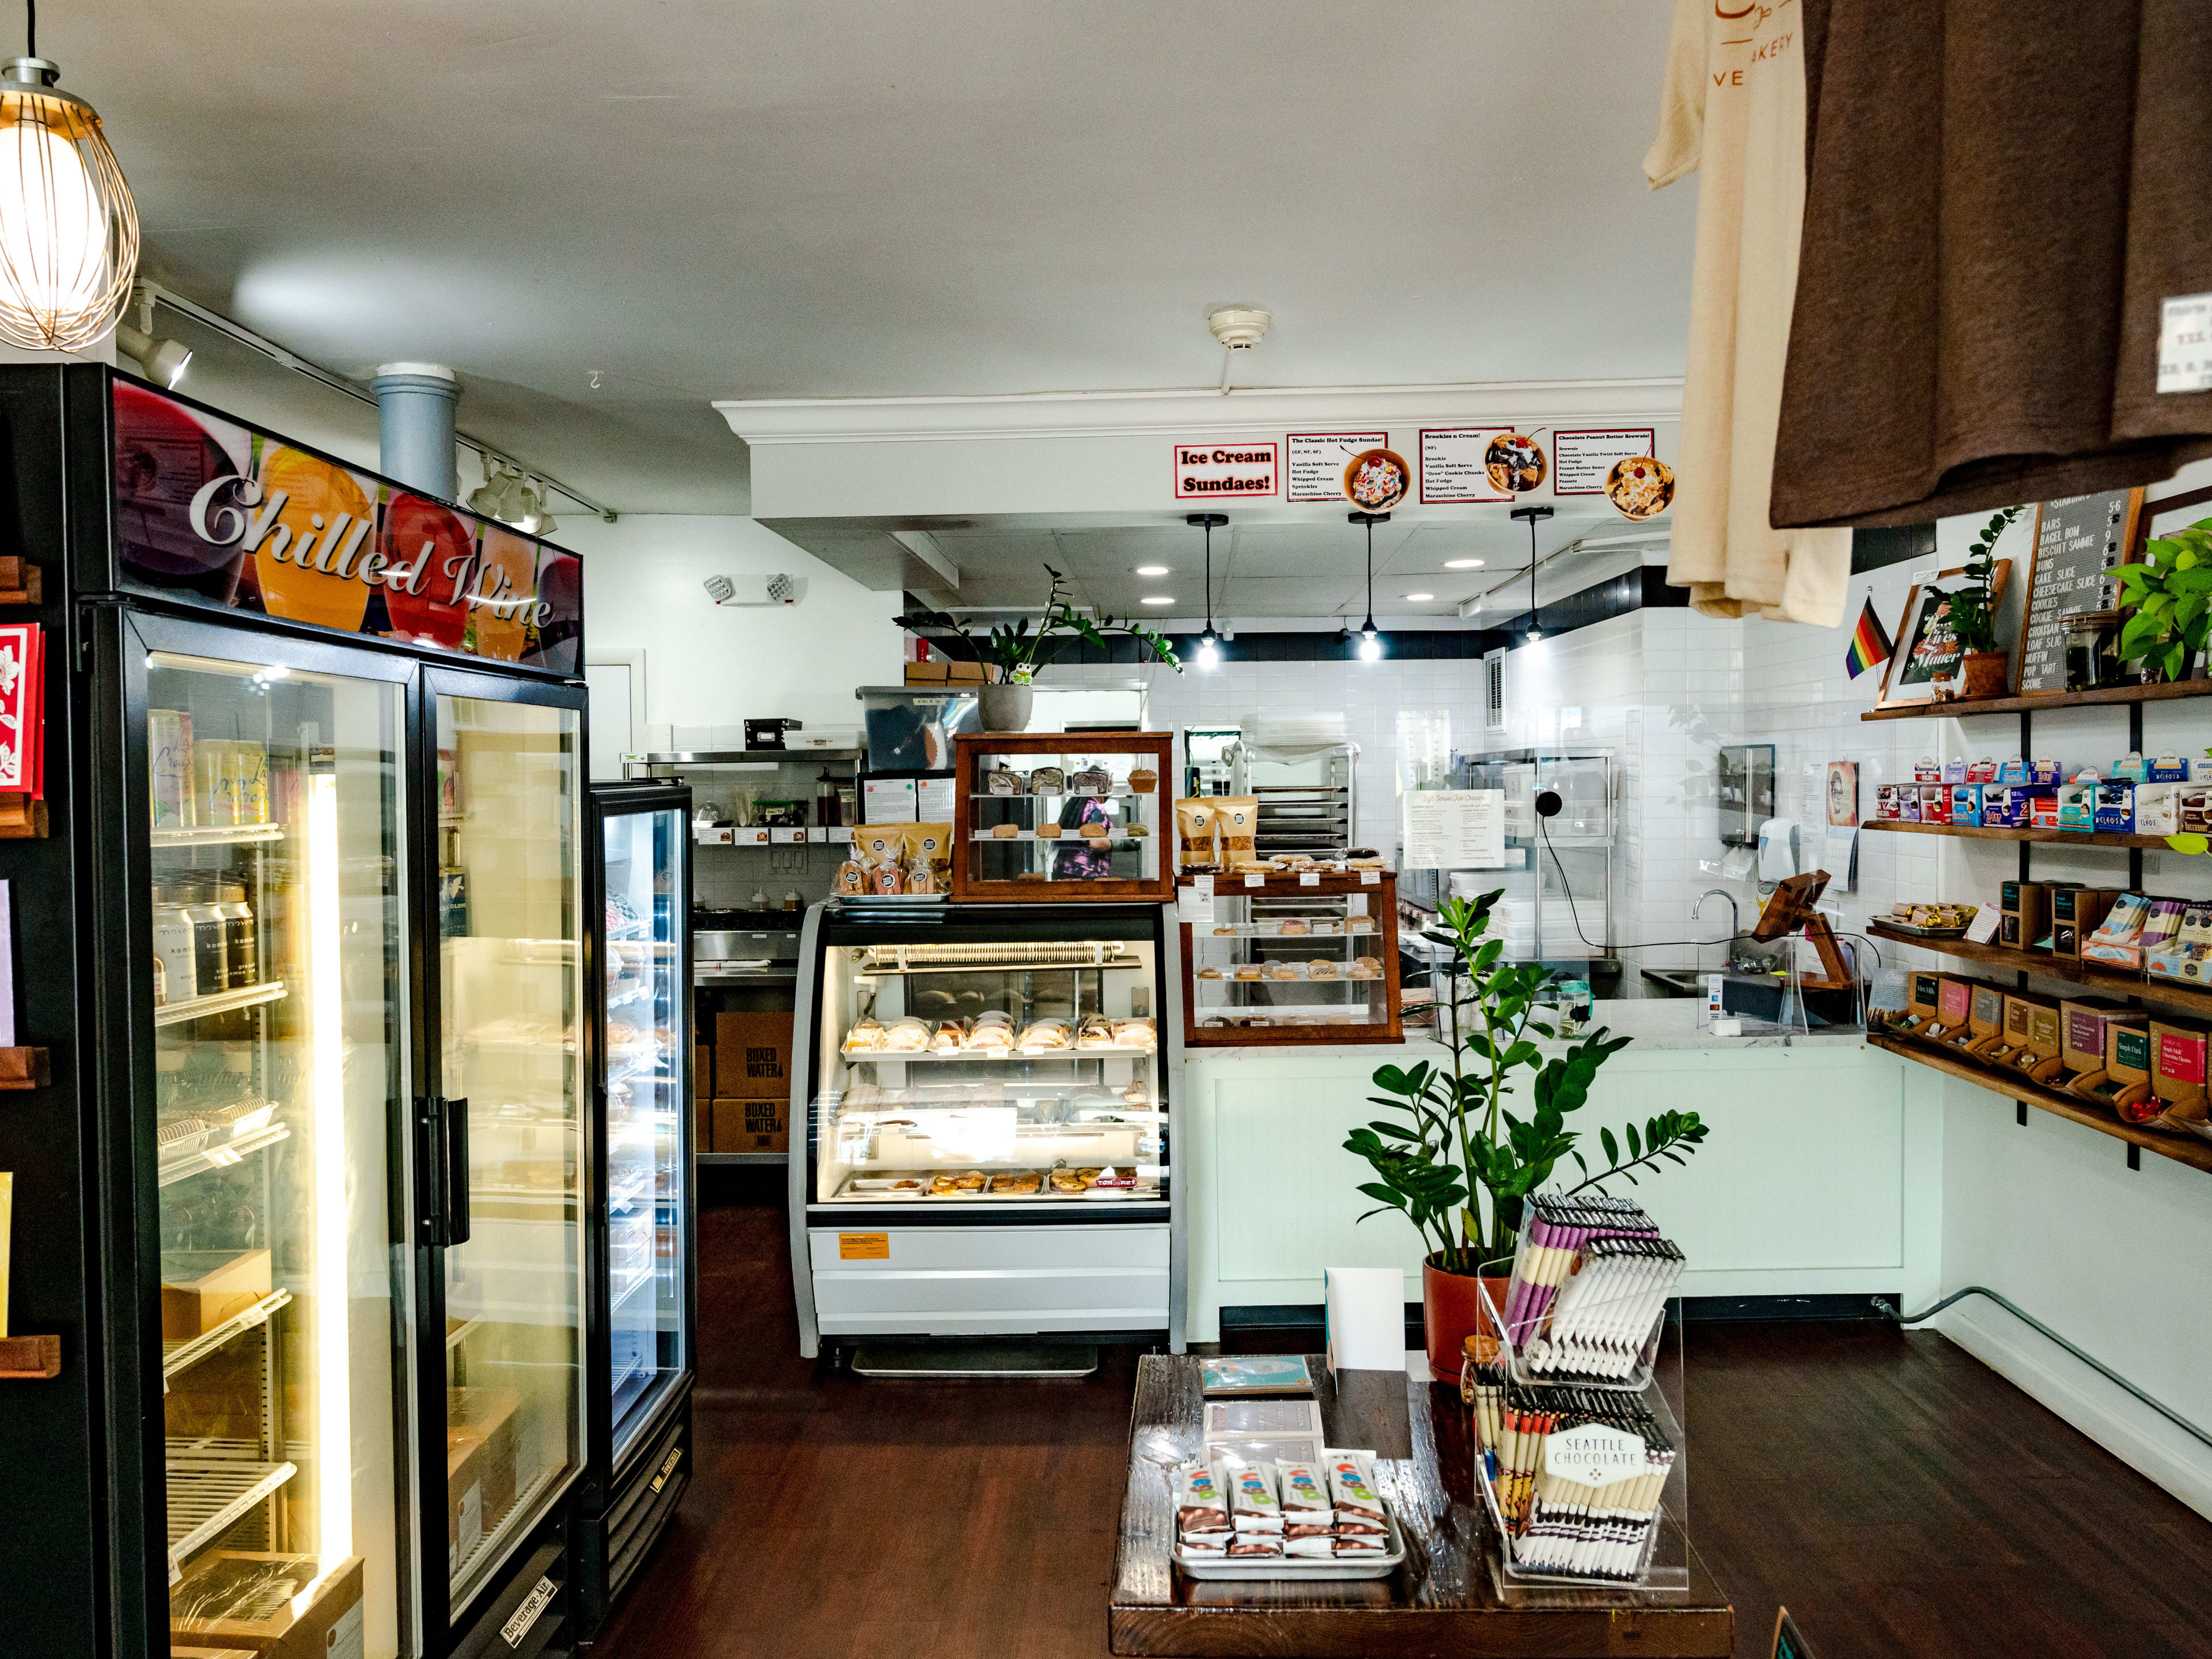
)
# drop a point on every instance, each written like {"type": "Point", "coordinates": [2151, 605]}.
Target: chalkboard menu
{"type": "Point", "coordinates": [2079, 540]}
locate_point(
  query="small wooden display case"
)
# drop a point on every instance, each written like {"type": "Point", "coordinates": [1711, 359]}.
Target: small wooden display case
{"type": "Point", "coordinates": [1297, 986]}
{"type": "Point", "coordinates": [1055, 816]}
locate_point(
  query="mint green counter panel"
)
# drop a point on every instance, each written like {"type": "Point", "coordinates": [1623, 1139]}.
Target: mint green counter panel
{"type": "Point", "coordinates": [1822, 1174]}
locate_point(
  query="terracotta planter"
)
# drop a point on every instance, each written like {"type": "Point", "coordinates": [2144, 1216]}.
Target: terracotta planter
{"type": "Point", "coordinates": [1451, 1311]}
{"type": "Point", "coordinates": [1987, 674]}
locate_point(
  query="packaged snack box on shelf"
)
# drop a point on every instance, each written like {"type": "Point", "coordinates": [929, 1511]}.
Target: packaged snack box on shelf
{"type": "Point", "coordinates": [482, 1431]}
{"type": "Point", "coordinates": [1984, 770]}
{"type": "Point", "coordinates": [1954, 1006]}
{"type": "Point", "coordinates": [2114, 813]}
{"type": "Point", "coordinates": [2075, 914]}
{"type": "Point", "coordinates": [2123, 1081]}
{"type": "Point", "coordinates": [1966, 802]}
{"type": "Point", "coordinates": [1885, 801]}
{"type": "Point", "coordinates": [200, 1289]}
{"type": "Point", "coordinates": [2031, 1031]}
{"type": "Point", "coordinates": [1934, 803]}
{"type": "Point", "coordinates": [1922, 989]}
{"type": "Point", "coordinates": [2077, 802]}
{"type": "Point", "coordinates": [2186, 957]}
{"type": "Point", "coordinates": [1984, 1023]}
{"type": "Point", "coordinates": [2167, 769]}
{"type": "Point", "coordinates": [2158, 809]}
{"type": "Point", "coordinates": [2116, 941]}
{"type": "Point", "coordinates": [2084, 1023]}
{"type": "Point", "coordinates": [1928, 769]}
{"type": "Point", "coordinates": [2177, 1070]}
{"type": "Point", "coordinates": [1955, 771]}
{"type": "Point", "coordinates": [2130, 768]}
{"type": "Point", "coordinates": [273, 1606]}
{"type": "Point", "coordinates": [2021, 913]}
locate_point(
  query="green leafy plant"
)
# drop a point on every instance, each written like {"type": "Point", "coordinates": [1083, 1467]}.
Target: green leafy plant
{"type": "Point", "coordinates": [1971, 612]}
{"type": "Point", "coordinates": [2170, 591]}
{"type": "Point", "coordinates": [1454, 1161]}
{"type": "Point", "coordinates": [1018, 652]}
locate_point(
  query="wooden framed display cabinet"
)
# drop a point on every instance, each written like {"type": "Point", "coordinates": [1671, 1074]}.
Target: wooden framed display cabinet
{"type": "Point", "coordinates": [1063, 816]}
{"type": "Point", "coordinates": [1288, 961]}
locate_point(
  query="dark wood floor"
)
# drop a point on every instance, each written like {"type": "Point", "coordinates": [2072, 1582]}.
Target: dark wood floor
{"type": "Point", "coordinates": [1898, 1496]}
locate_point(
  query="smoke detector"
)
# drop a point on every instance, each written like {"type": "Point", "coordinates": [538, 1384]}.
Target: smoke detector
{"type": "Point", "coordinates": [1239, 327]}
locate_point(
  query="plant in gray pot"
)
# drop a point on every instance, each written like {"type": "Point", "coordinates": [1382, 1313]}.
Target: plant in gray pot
{"type": "Point", "coordinates": [1014, 653]}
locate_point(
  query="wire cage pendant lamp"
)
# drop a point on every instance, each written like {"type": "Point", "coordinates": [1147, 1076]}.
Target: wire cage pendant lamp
{"type": "Point", "coordinates": [69, 230]}
{"type": "Point", "coordinates": [1209, 643]}
{"type": "Point", "coordinates": [1370, 641]}
{"type": "Point", "coordinates": [1532, 516]}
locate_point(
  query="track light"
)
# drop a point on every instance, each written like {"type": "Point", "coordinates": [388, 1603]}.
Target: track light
{"type": "Point", "coordinates": [164, 360]}
{"type": "Point", "coordinates": [512, 498]}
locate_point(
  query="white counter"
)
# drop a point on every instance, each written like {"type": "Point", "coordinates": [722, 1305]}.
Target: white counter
{"type": "Point", "coordinates": [1807, 1183]}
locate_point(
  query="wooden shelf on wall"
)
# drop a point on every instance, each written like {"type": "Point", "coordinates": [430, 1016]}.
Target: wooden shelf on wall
{"type": "Point", "coordinates": [30, 1356]}
{"type": "Point", "coordinates": [1958, 706]}
{"type": "Point", "coordinates": [2047, 837]}
{"type": "Point", "coordinates": [2182, 1148]}
{"type": "Point", "coordinates": [2164, 992]}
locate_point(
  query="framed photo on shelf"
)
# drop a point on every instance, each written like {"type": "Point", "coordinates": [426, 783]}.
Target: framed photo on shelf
{"type": "Point", "coordinates": [1928, 653]}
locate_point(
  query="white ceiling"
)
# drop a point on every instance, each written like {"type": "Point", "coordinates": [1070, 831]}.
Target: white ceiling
{"type": "Point", "coordinates": [841, 198]}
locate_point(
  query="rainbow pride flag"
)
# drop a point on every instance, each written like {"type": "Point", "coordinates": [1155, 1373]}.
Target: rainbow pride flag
{"type": "Point", "coordinates": [1869, 644]}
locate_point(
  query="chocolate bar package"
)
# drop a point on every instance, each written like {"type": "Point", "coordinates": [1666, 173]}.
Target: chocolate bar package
{"type": "Point", "coordinates": [1201, 1504]}
{"type": "Point", "coordinates": [1358, 1507]}
{"type": "Point", "coordinates": [1304, 1491]}
{"type": "Point", "coordinates": [1253, 1505]}
{"type": "Point", "coordinates": [1256, 1543]}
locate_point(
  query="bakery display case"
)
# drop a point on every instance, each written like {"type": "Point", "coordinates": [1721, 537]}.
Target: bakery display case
{"type": "Point", "coordinates": [1294, 959]}
{"type": "Point", "coordinates": [981, 1093]}
{"type": "Point", "coordinates": [1054, 817]}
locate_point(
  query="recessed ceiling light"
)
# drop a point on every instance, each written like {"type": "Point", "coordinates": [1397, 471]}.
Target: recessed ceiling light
{"type": "Point", "coordinates": [1158, 599]}
{"type": "Point", "coordinates": [1462, 564]}
{"type": "Point", "coordinates": [1152, 570]}
{"type": "Point", "coordinates": [1417, 597]}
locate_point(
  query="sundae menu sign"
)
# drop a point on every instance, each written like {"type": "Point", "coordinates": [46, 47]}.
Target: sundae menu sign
{"type": "Point", "coordinates": [209, 510]}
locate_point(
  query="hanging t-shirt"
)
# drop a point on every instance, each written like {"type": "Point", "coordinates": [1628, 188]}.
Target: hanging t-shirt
{"type": "Point", "coordinates": [1734, 112]}
{"type": "Point", "coordinates": [2002, 199]}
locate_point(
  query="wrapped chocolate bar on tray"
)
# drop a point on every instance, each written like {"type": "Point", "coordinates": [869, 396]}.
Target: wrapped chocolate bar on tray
{"type": "Point", "coordinates": [1242, 1515]}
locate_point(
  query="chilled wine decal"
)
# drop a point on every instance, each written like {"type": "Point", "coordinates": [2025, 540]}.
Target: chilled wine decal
{"type": "Point", "coordinates": [214, 511]}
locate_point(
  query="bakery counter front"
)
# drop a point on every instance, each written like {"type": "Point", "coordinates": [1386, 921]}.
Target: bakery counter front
{"type": "Point", "coordinates": [1821, 1174]}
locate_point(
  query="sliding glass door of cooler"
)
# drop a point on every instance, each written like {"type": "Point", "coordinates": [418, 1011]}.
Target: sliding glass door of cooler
{"type": "Point", "coordinates": [504, 814]}
{"type": "Point", "coordinates": [264, 871]}
{"type": "Point", "coordinates": [644, 964]}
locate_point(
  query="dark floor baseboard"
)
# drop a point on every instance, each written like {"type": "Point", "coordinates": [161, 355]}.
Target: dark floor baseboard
{"type": "Point", "coordinates": [1298, 1316]}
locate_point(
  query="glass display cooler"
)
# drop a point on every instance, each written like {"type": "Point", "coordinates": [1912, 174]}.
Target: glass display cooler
{"type": "Point", "coordinates": [1061, 816]}
{"type": "Point", "coordinates": [1288, 961]}
{"type": "Point", "coordinates": [982, 1096]}
{"type": "Point", "coordinates": [643, 1284]}
{"type": "Point", "coordinates": [328, 1042]}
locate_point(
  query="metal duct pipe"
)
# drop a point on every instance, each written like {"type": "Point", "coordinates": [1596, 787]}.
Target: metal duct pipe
{"type": "Point", "coordinates": [415, 407]}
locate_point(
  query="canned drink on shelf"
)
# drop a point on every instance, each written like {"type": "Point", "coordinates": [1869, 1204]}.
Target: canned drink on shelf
{"type": "Point", "coordinates": [250, 779]}
{"type": "Point", "coordinates": [216, 773]}
{"type": "Point", "coordinates": [173, 953]}
{"type": "Point", "coordinates": [169, 758]}
{"type": "Point", "coordinates": [210, 960]}
{"type": "Point", "coordinates": [240, 951]}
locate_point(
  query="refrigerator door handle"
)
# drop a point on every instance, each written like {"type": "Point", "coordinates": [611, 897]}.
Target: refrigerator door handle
{"type": "Point", "coordinates": [430, 1174]}
{"type": "Point", "coordinates": [456, 1114]}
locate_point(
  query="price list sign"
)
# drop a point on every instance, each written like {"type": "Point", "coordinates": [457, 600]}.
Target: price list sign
{"type": "Point", "coordinates": [2079, 541]}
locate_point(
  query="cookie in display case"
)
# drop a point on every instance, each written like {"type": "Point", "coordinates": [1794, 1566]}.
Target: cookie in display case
{"type": "Point", "coordinates": [1054, 817]}
{"type": "Point", "coordinates": [1291, 957]}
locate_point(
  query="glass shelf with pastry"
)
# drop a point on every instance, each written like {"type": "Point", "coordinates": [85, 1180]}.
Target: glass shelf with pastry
{"type": "Point", "coordinates": [1293, 958]}
{"type": "Point", "coordinates": [1049, 817]}
{"type": "Point", "coordinates": [996, 1071]}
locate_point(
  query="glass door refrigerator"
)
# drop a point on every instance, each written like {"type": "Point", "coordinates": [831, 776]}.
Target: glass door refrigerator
{"type": "Point", "coordinates": [639, 1377]}
{"type": "Point", "coordinates": [327, 1040]}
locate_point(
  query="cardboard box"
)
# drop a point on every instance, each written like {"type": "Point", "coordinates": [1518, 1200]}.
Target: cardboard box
{"type": "Point", "coordinates": [2075, 913]}
{"type": "Point", "coordinates": [752, 1056]}
{"type": "Point", "coordinates": [702, 1068]}
{"type": "Point", "coordinates": [2086, 1025]}
{"type": "Point", "coordinates": [926, 673]}
{"type": "Point", "coordinates": [752, 1125]}
{"type": "Point", "coordinates": [276, 1607]}
{"type": "Point", "coordinates": [481, 1429]}
{"type": "Point", "coordinates": [2019, 914]}
{"type": "Point", "coordinates": [2178, 1069]}
{"type": "Point", "coordinates": [967, 673]}
{"type": "Point", "coordinates": [200, 1289]}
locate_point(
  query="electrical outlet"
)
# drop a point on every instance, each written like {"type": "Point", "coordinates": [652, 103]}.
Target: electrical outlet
{"type": "Point", "coordinates": [787, 859]}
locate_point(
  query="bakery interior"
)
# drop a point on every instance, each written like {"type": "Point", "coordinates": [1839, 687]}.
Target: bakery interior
{"type": "Point", "coordinates": [1294, 875]}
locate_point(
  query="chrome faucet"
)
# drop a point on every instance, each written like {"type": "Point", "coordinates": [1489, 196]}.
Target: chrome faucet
{"type": "Point", "coordinates": [1735, 918]}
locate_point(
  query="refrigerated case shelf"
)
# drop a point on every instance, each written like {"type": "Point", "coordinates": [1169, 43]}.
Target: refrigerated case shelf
{"type": "Point", "coordinates": [171, 1171]}
{"type": "Point", "coordinates": [186, 1353]}
{"type": "Point", "coordinates": [993, 1056]}
{"type": "Point", "coordinates": [214, 1483]}
{"type": "Point", "coordinates": [222, 1002]}
{"type": "Point", "coordinates": [743, 1157]}
{"type": "Point", "coordinates": [217, 834]}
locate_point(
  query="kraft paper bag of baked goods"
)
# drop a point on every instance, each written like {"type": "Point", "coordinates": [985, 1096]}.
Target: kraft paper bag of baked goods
{"type": "Point", "coordinates": [928, 858]}
{"type": "Point", "coordinates": [1238, 817]}
{"type": "Point", "coordinates": [1198, 839]}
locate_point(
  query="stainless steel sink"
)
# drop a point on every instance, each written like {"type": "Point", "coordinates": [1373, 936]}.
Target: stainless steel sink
{"type": "Point", "coordinates": [1673, 982]}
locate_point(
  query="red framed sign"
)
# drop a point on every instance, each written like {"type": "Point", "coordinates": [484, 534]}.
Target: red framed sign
{"type": "Point", "coordinates": [1583, 459]}
{"type": "Point", "coordinates": [1313, 462]}
{"type": "Point", "coordinates": [1225, 471]}
{"type": "Point", "coordinates": [1454, 466]}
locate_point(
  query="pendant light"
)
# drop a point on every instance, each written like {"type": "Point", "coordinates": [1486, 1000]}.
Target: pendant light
{"type": "Point", "coordinates": [1370, 643]}
{"type": "Point", "coordinates": [1532, 516]}
{"type": "Point", "coordinates": [1209, 643]}
{"type": "Point", "coordinates": [69, 230]}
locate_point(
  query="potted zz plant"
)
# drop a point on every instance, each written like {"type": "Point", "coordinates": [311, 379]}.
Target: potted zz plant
{"type": "Point", "coordinates": [1016, 653]}
{"type": "Point", "coordinates": [2170, 592]}
{"type": "Point", "coordinates": [1971, 612]}
{"type": "Point", "coordinates": [1457, 1163]}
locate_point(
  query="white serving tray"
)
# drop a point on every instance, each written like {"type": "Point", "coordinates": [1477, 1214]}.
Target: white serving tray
{"type": "Point", "coordinates": [1309, 1568]}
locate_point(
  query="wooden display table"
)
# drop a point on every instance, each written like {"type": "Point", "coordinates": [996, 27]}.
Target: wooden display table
{"type": "Point", "coordinates": [1441, 1602]}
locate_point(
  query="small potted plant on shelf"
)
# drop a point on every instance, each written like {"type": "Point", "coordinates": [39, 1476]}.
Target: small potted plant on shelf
{"type": "Point", "coordinates": [2170, 593]}
{"type": "Point", "coordinates": [1971, 612]}
{"type": "Point", "coordinates": [1014, 653]}
{"type": "Point", "coordinates": [1456, 1163]}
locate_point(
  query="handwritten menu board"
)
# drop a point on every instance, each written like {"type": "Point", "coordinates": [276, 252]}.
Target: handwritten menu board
{"type": "Point", "coordinates": [2079, 540]}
